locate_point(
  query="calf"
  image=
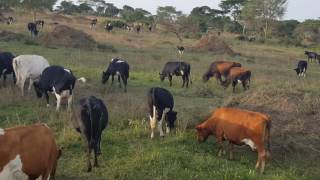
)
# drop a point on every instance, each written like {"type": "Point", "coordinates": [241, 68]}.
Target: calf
{"type": "Point", "coordinates": [239, 127]}
{"type": "Point", "coordinates": [218, 69]}
{"type": "Point", "coordinates": [6, 68]}
{"type": "Point", "coordinates": [32, 27]}
{"type": "Point", "coordinates": [117, 67]}
{"type": "Point", "coordinates": [28, 67]}
{"type": "Point", "coordinates": [10, 20]}
{"type": "Point", "coordinates": [160, 104]}
{"type": "Point", "coordinates": [90, 118]}
{"type": "Point", "coordinates": [40, 23]}
{"type": "Point", "coordinates": [311, 55]}
{"type": "Point", "coordinates": [238, 75]}
{"type": "Point", "coordinates": [93, 23]}
{"type": "Point", "coordinates": [109, 27]}
{"type": "Point", "coordinates": [28, 152]}
{"type": "Point", "coordinates": [178, 68]}
{"type": "Point", "coordinates": [59, 81]}
{"type": "Point", "coordinates": [180, 50]}
{"type": "Point", "coordinates": [302, 68]}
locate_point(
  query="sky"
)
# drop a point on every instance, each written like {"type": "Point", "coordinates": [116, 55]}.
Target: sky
{"type": "Point", "coordinates": [297, 9]}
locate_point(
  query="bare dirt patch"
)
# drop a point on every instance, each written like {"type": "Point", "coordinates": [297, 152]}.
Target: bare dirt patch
{"type": "Point", "coordinates": [215, 44]}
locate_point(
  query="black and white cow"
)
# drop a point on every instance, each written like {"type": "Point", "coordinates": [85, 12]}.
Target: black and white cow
{"type": "Point", "coordinates": [40, 23]}
{"type": "Point", "coordinates": [109, 27]}
{"type": "Point", "coordinates": [6, 68]}
{"type": "Point", "coordinates": [93, 23]}
{"type": "Point", "coordinates": [32, 27]}
{"type": "Point", "coordinates": [311, 55]}
{"type": "Point", "coordinates": [90, 118]}
{"type": "Point", "coordinates": [180, 50]}
{"type": "Point", "coordinates": [59, 81]}
{"type": "Point", "coordinates": [302, 68]}
{"type": "Point", "coordinates": [160, 104]}
{"type": "Point", "coordinates": [117, 67]}
{"type": "Point", "coordinates": [177, 68]}
{"type": "Point", "coordinates": [10, 20]}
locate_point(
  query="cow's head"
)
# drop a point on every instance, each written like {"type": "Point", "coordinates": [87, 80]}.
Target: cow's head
{"type": "Point", "coordinates": [297, 70]}
{"type": "Point", "coordinates": [170, 118]}
{"type": "Point", "coordinates": [206, 77]}
{"type": "Point", "coordinates": [162, 76]}
{"type": "Point", "coordinates": [306, 52]}
{"type": "Point", "coordinates": [202, 133]}
{"type": "Point", "coordinates": [37, 89]}
{"type": "Point", "coordinates": [105, 76]}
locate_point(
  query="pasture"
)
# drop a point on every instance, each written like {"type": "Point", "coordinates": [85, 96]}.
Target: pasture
{"type": "Point", "coordinates": [127, 150]}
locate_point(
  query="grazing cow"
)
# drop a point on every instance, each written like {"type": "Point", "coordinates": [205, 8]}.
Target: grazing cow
{"type": "Point", "coordinates": [6, 68]}
{"type": "Point", "coordinates": [302, 68]}
{"type": "Point", "coordinates": [90, 118]}
{"type": "Point", "coordinates": [28, 152]}
{"type": "Point", "coordinates": [32, 27]}
{"type": "Point", "coordinates": [28, 67]}
{"type": "Point", "coordinates": [10, 20]}
{"type": "Point", "coordinates": [40, 22]}
{"type": "Point", "coordinates": [93, 23]}
{"type": "Point", "coordinates": [60, 82]}
{"type": "Point", "coordinates": [109, 27]}
{"type": "Point", "coordinates": [117, 67]}
{"type": "Point", "coordinates": [160, 103]}
{"type": "Point", "coordinates": [239, 127]}
{"type": "Point", "coordinates": [178, 68]}
{"type": "Point", "coordinates": [311, 55]}
{"type": "Point", "coordinates": [180, 50]}
{"type": "Point", "coordinates": [218, 69]}
{"type": "Point", "coordinates": [238, 75]}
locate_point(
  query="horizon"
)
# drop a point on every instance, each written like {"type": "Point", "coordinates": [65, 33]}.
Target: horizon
{"type": "Point", "coordinates": [296, 9]}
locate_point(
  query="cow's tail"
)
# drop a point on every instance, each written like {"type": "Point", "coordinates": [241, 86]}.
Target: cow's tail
{"type": "Point", "coordinates": [82, 79]}
{"type": "Point", "coordinates": [15, 69]}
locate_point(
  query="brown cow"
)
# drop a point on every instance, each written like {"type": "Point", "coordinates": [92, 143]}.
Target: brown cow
{"type": "Point", "coordinates": [28, 152]}
{"type": "Point", "coordinates": [218, 69]}
{"type": "Point", "coordinates": [238, 75]}
{"type": "Point", "coordinates": [238, 127]}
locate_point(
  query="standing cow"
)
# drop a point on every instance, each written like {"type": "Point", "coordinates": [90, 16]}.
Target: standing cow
{"type": "Point", "coordinates": [160, 103]}
{"type": "Point", "coordinates": [60, 82]}
{"type": "Point", "coordinates": [6, 68]}
{"type": "Point", "coordinates": [40, 23]}
{"type": "Point", "coordinates": [28, 67]}
{"type": "Point", "coordinates": [218, 69]}
{"type": "Point", "coordinates": [238, 75]}
{"type": "Point", "coordinates": [302, 68]}
{"type": "Point", "coordinates": [90, 119]}
{"type": "Point", "coordinates": [177, 68]}
{"type": "Point", "coordinates": [311, 55]}
{"type": "Point", "coordinates": [28, 152]}
{"type": "Point", "coordinates": [109, 27]}
{"type": "Point", "coordinates": [32, 27]}
{"type": "Point", "coordinates": [117, 67]}
{"type": "Point", "coordinates": [93, 23]}
{"type": "Point", "coordinates": [239, 127]}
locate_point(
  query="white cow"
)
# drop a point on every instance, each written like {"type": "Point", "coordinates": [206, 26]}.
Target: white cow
{"type": "Point", "coordinates": [28, 67]}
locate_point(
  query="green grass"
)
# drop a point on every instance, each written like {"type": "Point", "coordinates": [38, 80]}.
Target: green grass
{"type": "Point", "coordinates": [127, 151]}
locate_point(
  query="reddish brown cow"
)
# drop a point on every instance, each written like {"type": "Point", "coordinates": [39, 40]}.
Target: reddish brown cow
{"type": "Point", "coordinates": [28, 152]}
{"type": "Point", "coordinates": [218, 69]}
{"type": "Point", "coordinates": [238, 75]}
{"type": "Point", "coordinates": [238, 127]}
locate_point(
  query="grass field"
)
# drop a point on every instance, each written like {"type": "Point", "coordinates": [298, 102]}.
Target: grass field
{"type": "Point", "coordinates": [127, 151]}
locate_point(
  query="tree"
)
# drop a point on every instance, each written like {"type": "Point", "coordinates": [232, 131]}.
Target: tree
{"type": "Point", "coordinates": [35, 5]}
{"type": "Point", "coordinates": [168, 14]}
{"type": "Point", "coordinates": [67, 7]}
{"type": "Point", "coordinates": [208, 17]}
{"type": "Point", "coordinates": [111, 10]}
{"type": "Point", "coordinates": [233, 7]}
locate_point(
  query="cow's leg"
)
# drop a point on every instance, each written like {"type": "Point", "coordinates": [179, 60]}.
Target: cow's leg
{"type": "Point", "coordinates": [124, 80]}
{"type": "Point", "coordinates": [187, 78]}
{"type": "Point", "coordinates": [89, 166]}
{"type": "Point", "coordinates": [244, 85]}
{"type": "Point", "coordinates": [58, 96]}
{"type": "Point", "coordinates": [119, 80]}
{"type": "Point", "coordinates": [30, 84]}
{"type": "Point", "coordinates": [160, 123]}
{"type": "Point", "coordinates": [21, 85]}
{"type": "Point", "coordinates": [47, 98]}
{"type": "Point", "coordinates": [234, 83]}
{"type": "Point", "coordinates": [70, 97]}
{"type": "Point", "coordinates": [14, 77]}
{"type": "Point", "coordinates": [4, 79]}
{"type": "Point", "coordinates": [183, 81]}
{"type": "Point", "coordinates": [170, 79]}
{"type": "Point", "coordinates": [220, 144]}
{"type": "Point", "coordinates": [153, 121]}
{"type": "Point", "coordinates": [230, 150]}
{"type": "Point", "coordinates": [112, 79]}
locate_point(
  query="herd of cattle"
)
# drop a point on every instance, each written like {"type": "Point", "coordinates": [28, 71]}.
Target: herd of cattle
{"type": "Point", "coordinates": [90, 115]}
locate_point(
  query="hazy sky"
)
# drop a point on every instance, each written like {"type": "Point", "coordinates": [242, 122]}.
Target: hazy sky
{"type": "Point", "coordinates": [297, 9]}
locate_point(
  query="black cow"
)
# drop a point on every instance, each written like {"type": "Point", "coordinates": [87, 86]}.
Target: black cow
{"type": "Point", "coordinates": [138, 28]}
{"type": "Point", "coordinates": [302, 68]}
{"type": "Point", "coordinates": [180, 50]}
{"type": "Point", "coordinates": [150, 28]}
{"type": "Point", "coordinates": [32, 27]}
{"type": "Point", "coordinates": [160, 100]}
{"type": "Point", "coordinates": [311, 55]}
{"type": "Point", "coordinates": [177, 68]}
{"type": "Point", "coordinates": [117, 67]}
{"type": "Point", "coordinates": [40, 22]}
{"type": "Point", "coordinates": [58, 80]}
{"type": "Point", "coordinates": [90, 118]}
{"type": "Point", "coordinates": [6, 66]}
{"type": "Point", "coordinates": [109, 27]}
{"type": "Point", "coordinates": [10, 20]}
{"type": "Point", "coordinates": [93, 23]}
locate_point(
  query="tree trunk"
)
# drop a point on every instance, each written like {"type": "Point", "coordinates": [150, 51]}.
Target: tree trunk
{"type": "Point", "coordinates": [243, 29]}
{"type": "Point", "coordinates": [266, 30]}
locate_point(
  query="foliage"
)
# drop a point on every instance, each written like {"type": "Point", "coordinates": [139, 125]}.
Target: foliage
{"type": "Point", "coordinates": [233, 7]}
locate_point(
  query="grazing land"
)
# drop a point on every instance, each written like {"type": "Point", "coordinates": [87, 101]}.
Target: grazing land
{"type": "Point", "coordinates": [127, 150]}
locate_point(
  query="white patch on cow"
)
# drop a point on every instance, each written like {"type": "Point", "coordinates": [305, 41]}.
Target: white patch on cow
{"type": "Point", "coordinates": [118, 73]}
{"type": "Point", "coordinates": [68, 70]}
{"type": "Point", "coordinates": [120, 61]}
{"type": "Point", "coordinates": [4, 70]}
{"type": "Point", "coordinates": [62, 95]}
{"type": "Point", "coordinates": [2, 131]}
{"type": "Point", "coordinates": [182, 73]}
{"type": "Point", "coordinates": [13, 170]}
{"type": "Point", "coordinates": [167, 130]}
{"type": "Point", "coordinates": [82, 79]}
{"type": "Point", "coordinates": [250, 143]}
{"type": "Point", "coordinates": [239, 81]}
{"type": "Point", "coordinates": [153, 121]}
